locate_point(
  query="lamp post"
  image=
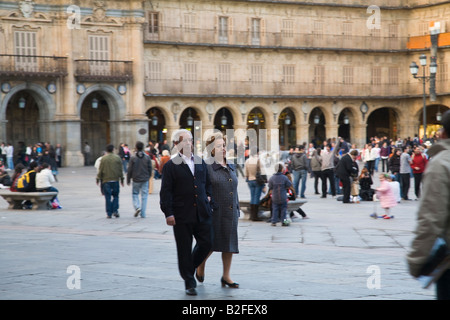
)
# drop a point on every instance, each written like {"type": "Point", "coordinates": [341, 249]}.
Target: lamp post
{"type": "Point", "coordinates": [414, 69]}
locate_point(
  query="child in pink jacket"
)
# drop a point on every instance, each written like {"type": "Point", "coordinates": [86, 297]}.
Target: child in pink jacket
{"type": "Point", "coordinates": [386, 195]}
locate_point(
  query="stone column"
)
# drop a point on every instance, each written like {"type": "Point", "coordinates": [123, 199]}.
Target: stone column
{"type": "Point", "coordinates": [302, 133]}
{"type": "Point", "coordinates": [331, 130]}
{"type": "Point", "coordinates": [359, 135]}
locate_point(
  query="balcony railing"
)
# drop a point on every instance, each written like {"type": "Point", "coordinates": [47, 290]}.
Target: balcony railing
{"type": "Point", "coordinates": [273, 39]}
{"type": "Point", "coordinates": [30, 66]}
{"type": "Point", "coordinates": [356, 3]}
{"type": "Point", "coordinates": [297, 89]}
{"type": "Point", "coordinates": [103, 70]}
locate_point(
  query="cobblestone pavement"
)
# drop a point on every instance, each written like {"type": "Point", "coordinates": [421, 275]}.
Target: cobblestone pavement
{"type": "Point", "coordinates": [340, 253]}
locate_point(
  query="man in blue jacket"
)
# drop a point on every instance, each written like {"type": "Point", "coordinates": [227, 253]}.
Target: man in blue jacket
{"type": "Point", "coordinates": [185, 199]}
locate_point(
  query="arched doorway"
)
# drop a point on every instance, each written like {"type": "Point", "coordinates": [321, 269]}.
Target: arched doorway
{"type": "Point", "coordinates": [187, 121]}
{"type": "Point", "coordinates": [287, 126]}
{"type": "Point", "coordinates": [434, 112]}
{"type": "Point", "coordinates": [22, 114]}
{"type": "Point", "coordinates": [255, 122]}
{"type": "Point", "coordinates": [317, 131]}
{"type": "Point", "coordinates": [223, 120]}
{"type": "Point", "coordinates": [382, 122]}
{"type": "Point", "coordinates": [156, 126]}
{"type": "Point", "coordinates": [345, 121]}
{"type": "Point", "coordinates": [95, 125]}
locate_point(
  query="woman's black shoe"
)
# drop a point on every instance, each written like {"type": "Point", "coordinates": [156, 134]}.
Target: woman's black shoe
{"type": "Point", "coordinates": [231, 285]}
{"type": "Point", "coordinates": [199, 278]}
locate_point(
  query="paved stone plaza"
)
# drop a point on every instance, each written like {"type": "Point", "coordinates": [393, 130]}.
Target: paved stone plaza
{"type": "Point", "coordinates": [340, 253]}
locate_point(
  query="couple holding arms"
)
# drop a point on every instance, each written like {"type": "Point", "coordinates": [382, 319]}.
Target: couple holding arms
{"type": "Point", "coordinates": [200, 201]}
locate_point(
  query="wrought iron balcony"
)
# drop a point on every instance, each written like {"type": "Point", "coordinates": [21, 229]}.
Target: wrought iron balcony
{"type": "Point", "coordinates": [282, 89]}
{"type": "Point", "coordinates": [15, 66]}
{"type": "Point", "coordinates": [103, 70]}
{"type": "Point", "coordinates": [292, 40]}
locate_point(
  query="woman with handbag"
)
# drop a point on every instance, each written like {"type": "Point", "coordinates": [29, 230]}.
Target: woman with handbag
{"type": "Point", "coordinates": [256, 180]}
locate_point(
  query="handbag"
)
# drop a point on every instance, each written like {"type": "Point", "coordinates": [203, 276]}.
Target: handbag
{"type": "Point", "coordinates": [438, 254]}
{"type": "Point", "coordinates": [261, 179]}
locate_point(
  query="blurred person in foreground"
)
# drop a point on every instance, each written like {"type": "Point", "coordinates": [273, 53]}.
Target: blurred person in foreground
{"type": "Point", "coordinates": [433, 218]}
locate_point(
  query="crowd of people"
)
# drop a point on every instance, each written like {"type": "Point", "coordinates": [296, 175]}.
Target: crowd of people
{"type": "Point", "coordinates": [199, 196]}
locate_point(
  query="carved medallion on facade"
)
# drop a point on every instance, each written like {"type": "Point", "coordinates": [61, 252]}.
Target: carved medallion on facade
{"type": "Point", "coordinates": [27, 8]}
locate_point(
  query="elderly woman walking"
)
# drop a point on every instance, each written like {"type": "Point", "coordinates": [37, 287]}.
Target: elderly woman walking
{"type": "Point", "coordinates": [226, 210]}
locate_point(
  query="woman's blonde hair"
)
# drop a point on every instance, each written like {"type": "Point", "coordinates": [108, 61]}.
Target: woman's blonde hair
{"type": "Point", "coordinates": [213, 137]}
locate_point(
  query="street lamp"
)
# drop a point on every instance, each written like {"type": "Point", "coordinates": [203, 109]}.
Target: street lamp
{"type": "Point", "coordinates": [189, 119]}
{"type": "Point", "coordinates": [22, 103]}
{"type": "Point", "coordinates": [364, 108]}
{"type": "Point", "coordinates": [414, 69]}
{"type": "Point", "coordinates": [154, 121]}
{"type": "Point", "coordinates": [94, 103]}
{"type": "Point", "coordinates": [287, 120]}
{"type": "Point", "coordinates": [223, 118]}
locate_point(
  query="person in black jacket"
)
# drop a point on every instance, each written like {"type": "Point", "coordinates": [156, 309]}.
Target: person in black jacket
{"type": "Point", "coordinates": [185, 200]}
{"type": "Point", "coordinates": [344, 170]}
{"type": "Point", "coordinates": [140, 170]}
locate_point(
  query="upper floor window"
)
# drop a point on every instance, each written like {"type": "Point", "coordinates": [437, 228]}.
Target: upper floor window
{"type": "Point", "coordinates": [348, 75]}
{"type": "Point", "coordinates": [223, 30]}
{"type": "Point", "coordinates": [256, 72]}
{"type": "Point", "coordinates": [25, 45]}
{"type": "Point", "coordinates": [287, 28]}
{"type": "Point", "coordinates": [224, 72]}
{"type": "Point", "coordinates": [376, 76]}
{"type": "Point", "coordinates": [190, 21]}
{"type": "Point", "coordinates": [289, 74]}
{"type": "Point", "coordinates": [153, 25]}
{"type": "Point", "coordinates": [256, 31]}
{"type": "Point", "coordinates": [99, 51]}
{"type": "Point", "coordinates": [190, 71]}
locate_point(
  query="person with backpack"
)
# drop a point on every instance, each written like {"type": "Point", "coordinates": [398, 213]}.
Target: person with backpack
{"type": "Point", "coordinates": [140, 171]}
{"type": "Point", "coordinates": [27, 182]}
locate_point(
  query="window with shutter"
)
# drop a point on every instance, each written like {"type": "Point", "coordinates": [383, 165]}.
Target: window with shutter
{"type": "Point", "coordinates": [256, 31]}
{"type": "Point", "coordinates": [287, 28]}
{"type": "Point", "coordinates": [376, 76]}
{"type": "Point", "coordinates": [319, 74]}
{"type": "Point", "coordinates": [189, 22]}
{"type": "Point", "coordinates": [153, 25]}
{"type": "Point", "coordinates": [99, 53]}
{"type": "Point", "coordinates": [348, 75]}
{"type": "Point", "coordinates": [318, 30]}
{"type": "Point", "coordinates": [154, 71]}
{"type": "Point", "coordinates": [347, 30]}
{"type": "Point", "coordinates": [25, 45]}
{"type": "Point", "coordinates": [190, 71]}
{"type": "Point", "coordinates": [256, 71]}
{"type": "Point", "coordinates": [393, 75]}
{"type": "Point", "coordinates": [224, 72]}
{"type": "Point", "coordinates": [289, 74]}
{"type": "Point", "coordinates": [223, 30]}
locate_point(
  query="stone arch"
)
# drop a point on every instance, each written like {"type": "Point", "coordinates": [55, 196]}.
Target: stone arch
{"type": "Point", "coordinates": [44, 100]}
{"type": "Point", "coordinates": [117, 108]}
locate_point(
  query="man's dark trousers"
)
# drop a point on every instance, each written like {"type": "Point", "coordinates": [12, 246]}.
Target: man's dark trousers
{"type": "Point", "coordinates": [189, 259]}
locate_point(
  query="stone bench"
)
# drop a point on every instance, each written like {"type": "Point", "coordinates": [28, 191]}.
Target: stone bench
{"type": "Point", "coordinates": [292, 205]}
{"type": "Point", "coordinates": [39, 200]}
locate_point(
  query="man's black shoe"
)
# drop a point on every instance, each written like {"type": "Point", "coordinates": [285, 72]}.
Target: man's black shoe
{"type": "Point", "coordinates": [191, 292]}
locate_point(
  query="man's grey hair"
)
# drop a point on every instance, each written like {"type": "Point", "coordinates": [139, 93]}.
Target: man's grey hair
{"type": "Point", "coordinates": [178, 133]}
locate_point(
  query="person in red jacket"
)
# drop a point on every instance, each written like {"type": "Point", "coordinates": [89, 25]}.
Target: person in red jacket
{"type": "Point", "coordinates": [418, 164]}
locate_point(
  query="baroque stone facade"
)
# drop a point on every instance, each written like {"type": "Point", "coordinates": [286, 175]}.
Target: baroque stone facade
{"type": "Point", "coordinates": [121, 71]}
